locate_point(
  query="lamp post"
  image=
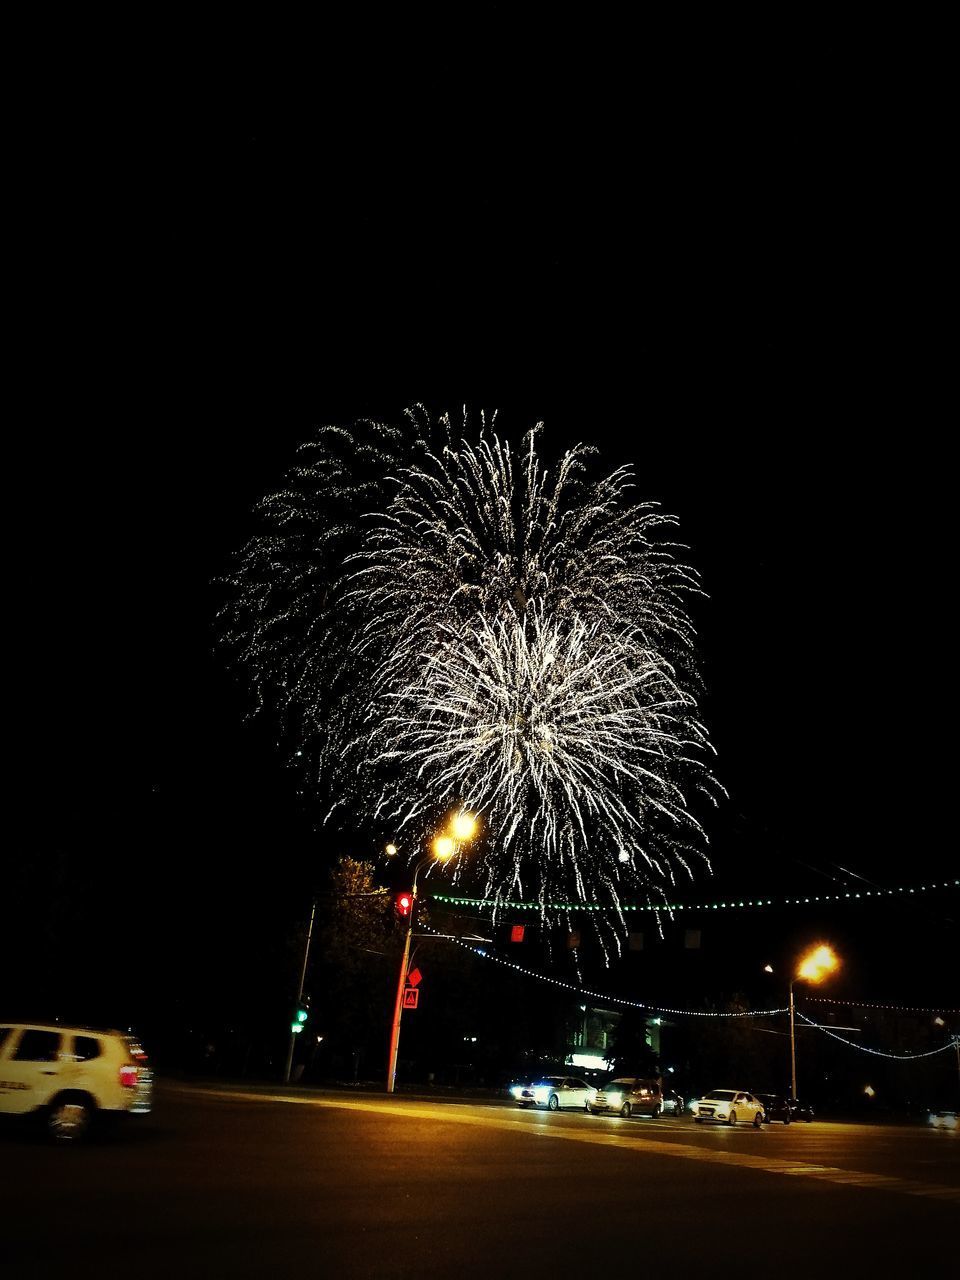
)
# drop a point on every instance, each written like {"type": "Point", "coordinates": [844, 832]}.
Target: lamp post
{"type": "Point", "coordinates": [813, 967]}
{"type": "Point", "coordinates": [461, 828]}
{"type": "Point", "coordinates": [793, 1047]}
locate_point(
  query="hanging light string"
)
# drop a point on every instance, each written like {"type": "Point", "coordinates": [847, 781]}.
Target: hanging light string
{"type": "Point", "coordinates": [876, 1053]}
{"type": "Point", "coordinates": [599, 995]}
{"type": "Point", "coordinates": [687, 1013]}
{"type": "Point", "coordinates": [737, 905]}
{"type": "Point", "coordinates": [867, 1004]}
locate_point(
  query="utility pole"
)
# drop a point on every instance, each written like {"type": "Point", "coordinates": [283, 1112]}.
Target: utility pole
{"type": "Point", "coordinates": [793, 1048]}
{"type": "Point", "coordinates": [303, 978]}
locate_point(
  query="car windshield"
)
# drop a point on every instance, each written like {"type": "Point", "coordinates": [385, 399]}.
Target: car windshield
{"type": "Point", "coordinates": [547, 1080]}
{"type": "Point", "coordinates": [722, 1095]}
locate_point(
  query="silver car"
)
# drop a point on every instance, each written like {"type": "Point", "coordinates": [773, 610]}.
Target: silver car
{"type": "Point", "coordinates": [629, 1096]}
{"type": "Point", "coordinates": [554, 1092]}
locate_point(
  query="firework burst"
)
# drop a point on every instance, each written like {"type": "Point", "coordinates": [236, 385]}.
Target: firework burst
{"type": "Point", "coordinates": [474, 629]}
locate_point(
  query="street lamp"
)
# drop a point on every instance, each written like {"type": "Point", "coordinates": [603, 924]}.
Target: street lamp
{"type": "Point", "coordinates": [816, 965]}
{"type": "Point", "coordinates": [461, 828]}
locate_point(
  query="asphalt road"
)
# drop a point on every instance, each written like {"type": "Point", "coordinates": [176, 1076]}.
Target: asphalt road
{"type": "Point", "coordinates": [241, 1183]}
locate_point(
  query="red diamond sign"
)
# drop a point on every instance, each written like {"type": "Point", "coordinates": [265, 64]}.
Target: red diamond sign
{"type": "Point", "coordinates": [413, 977]}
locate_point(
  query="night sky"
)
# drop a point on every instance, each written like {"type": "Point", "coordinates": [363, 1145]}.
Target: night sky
{"type": "Point", "coordinates": [721, 263]}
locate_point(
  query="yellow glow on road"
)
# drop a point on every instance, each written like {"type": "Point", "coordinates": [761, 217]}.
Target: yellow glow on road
{"type": "Point", "coordinates": [713, 1147]}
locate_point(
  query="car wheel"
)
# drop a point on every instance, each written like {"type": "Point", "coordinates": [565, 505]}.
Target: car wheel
{"type": "Point", "coordinates": [786, 1119]}
{"type": "Point", "coordinates": [757, 1119]}
{"type": "Point", "coordinates": [69, 1119]}
{"type": "Point", "coordinates": [625, 1110]}
{"type": "Point", "coordinates": [655, 1114]}
{"type": "Point", "coordinates": [553, 1102]}
{"type": "Point", "coordinates": [586, 1107]}
{"type": "Point", "coordinates": [732, 1118]}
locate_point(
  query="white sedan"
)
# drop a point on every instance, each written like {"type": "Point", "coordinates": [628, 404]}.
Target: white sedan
{"type": "Point", "coordinates": [554, 1092]}
{"type": "Point", "coordinates": [943, 1119]}
{"type": "Point", "coordinates": [729, 1106]}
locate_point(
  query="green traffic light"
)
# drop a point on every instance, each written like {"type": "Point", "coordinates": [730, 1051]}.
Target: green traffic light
{"type": "Point", "coordinates": [301, 1015]}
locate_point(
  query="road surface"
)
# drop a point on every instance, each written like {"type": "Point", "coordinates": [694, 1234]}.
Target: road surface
{"type": "Point", "coordinates": [237, 1183]}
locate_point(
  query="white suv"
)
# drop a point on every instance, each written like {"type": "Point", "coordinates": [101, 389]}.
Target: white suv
{"type": "Point", "coordinates": [68, 1075]}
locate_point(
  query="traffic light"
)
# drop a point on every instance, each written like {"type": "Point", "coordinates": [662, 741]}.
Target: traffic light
{"type": "Point", "coordinates": [303, 1012]}
{"type": "Point", "coordinates": [403, 905]}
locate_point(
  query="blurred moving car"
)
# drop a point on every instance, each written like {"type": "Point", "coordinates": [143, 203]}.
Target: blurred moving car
{"type": "Point", "coordinates": [800, 1110]}
{"type": "Point", "coordinates": [67, 1076]}
{"type": "Point", "coordinates": [554, 1092]}
{"type": "Point", "coordinates": [942, 1119]}
{"type": "Point", "coordinates": [629, 1096]}
{"type": "Point", "coordinates": [729, 1106]}
{"type": "Point", "coordinates": [775, 1108]}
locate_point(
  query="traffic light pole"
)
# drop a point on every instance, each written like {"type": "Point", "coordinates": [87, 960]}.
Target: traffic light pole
{"type": "Point", "coordinates": [402, 982]}
{"type": "Point", "coordinates": [398, 1007]}
{"type": "Point", "coordinates": [303, 978]}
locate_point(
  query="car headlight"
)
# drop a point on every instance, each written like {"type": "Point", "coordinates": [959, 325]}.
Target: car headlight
{"type": "Point", "coordinates": [614, 1098]}
{"type": "Point", "coordinates": [516, 1090]}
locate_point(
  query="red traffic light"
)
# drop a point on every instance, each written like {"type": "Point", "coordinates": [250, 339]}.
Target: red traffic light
{"type": "Point", "coordinates": [403, 905]}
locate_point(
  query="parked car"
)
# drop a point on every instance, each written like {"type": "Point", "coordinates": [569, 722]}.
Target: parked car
{"type": "Point", "coordinates": [67, 1076]}
{"type": "Point", "coordinates": [629, 1096]}
{"type": "Point", "coordinates": [800, 1110]}
{"type": "Point", "coordinates": [672, 1103]}
{"type": "Point", "coordinates": [554, 1092]}
{"type": "Point", "coordinates": [775, 1108]}
{"type": "Point", "coordinates": [729, 1106]}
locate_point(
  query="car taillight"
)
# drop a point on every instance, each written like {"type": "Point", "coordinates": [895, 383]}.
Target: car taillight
{"type": "Point", "coordinates": [128, 1077]}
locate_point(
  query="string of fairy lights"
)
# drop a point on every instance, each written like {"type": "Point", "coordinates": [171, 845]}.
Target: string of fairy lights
{"type": "Point", "coordinates": [657, 1008]}
{"type": "Point", "coordinates": [738, 904]}
{"type": "Point", "coordinates": [872, 1004]}
{"type": "Point", "coordinates": [950, 1046]}
{"type": "Point", "coordinates": [600, 995]}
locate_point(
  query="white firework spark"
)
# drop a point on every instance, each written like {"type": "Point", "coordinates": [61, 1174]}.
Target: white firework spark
{"type": "Point", "coordinates": [530, 634]}
{"type": "Point", "coordinates": [509, 640]}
